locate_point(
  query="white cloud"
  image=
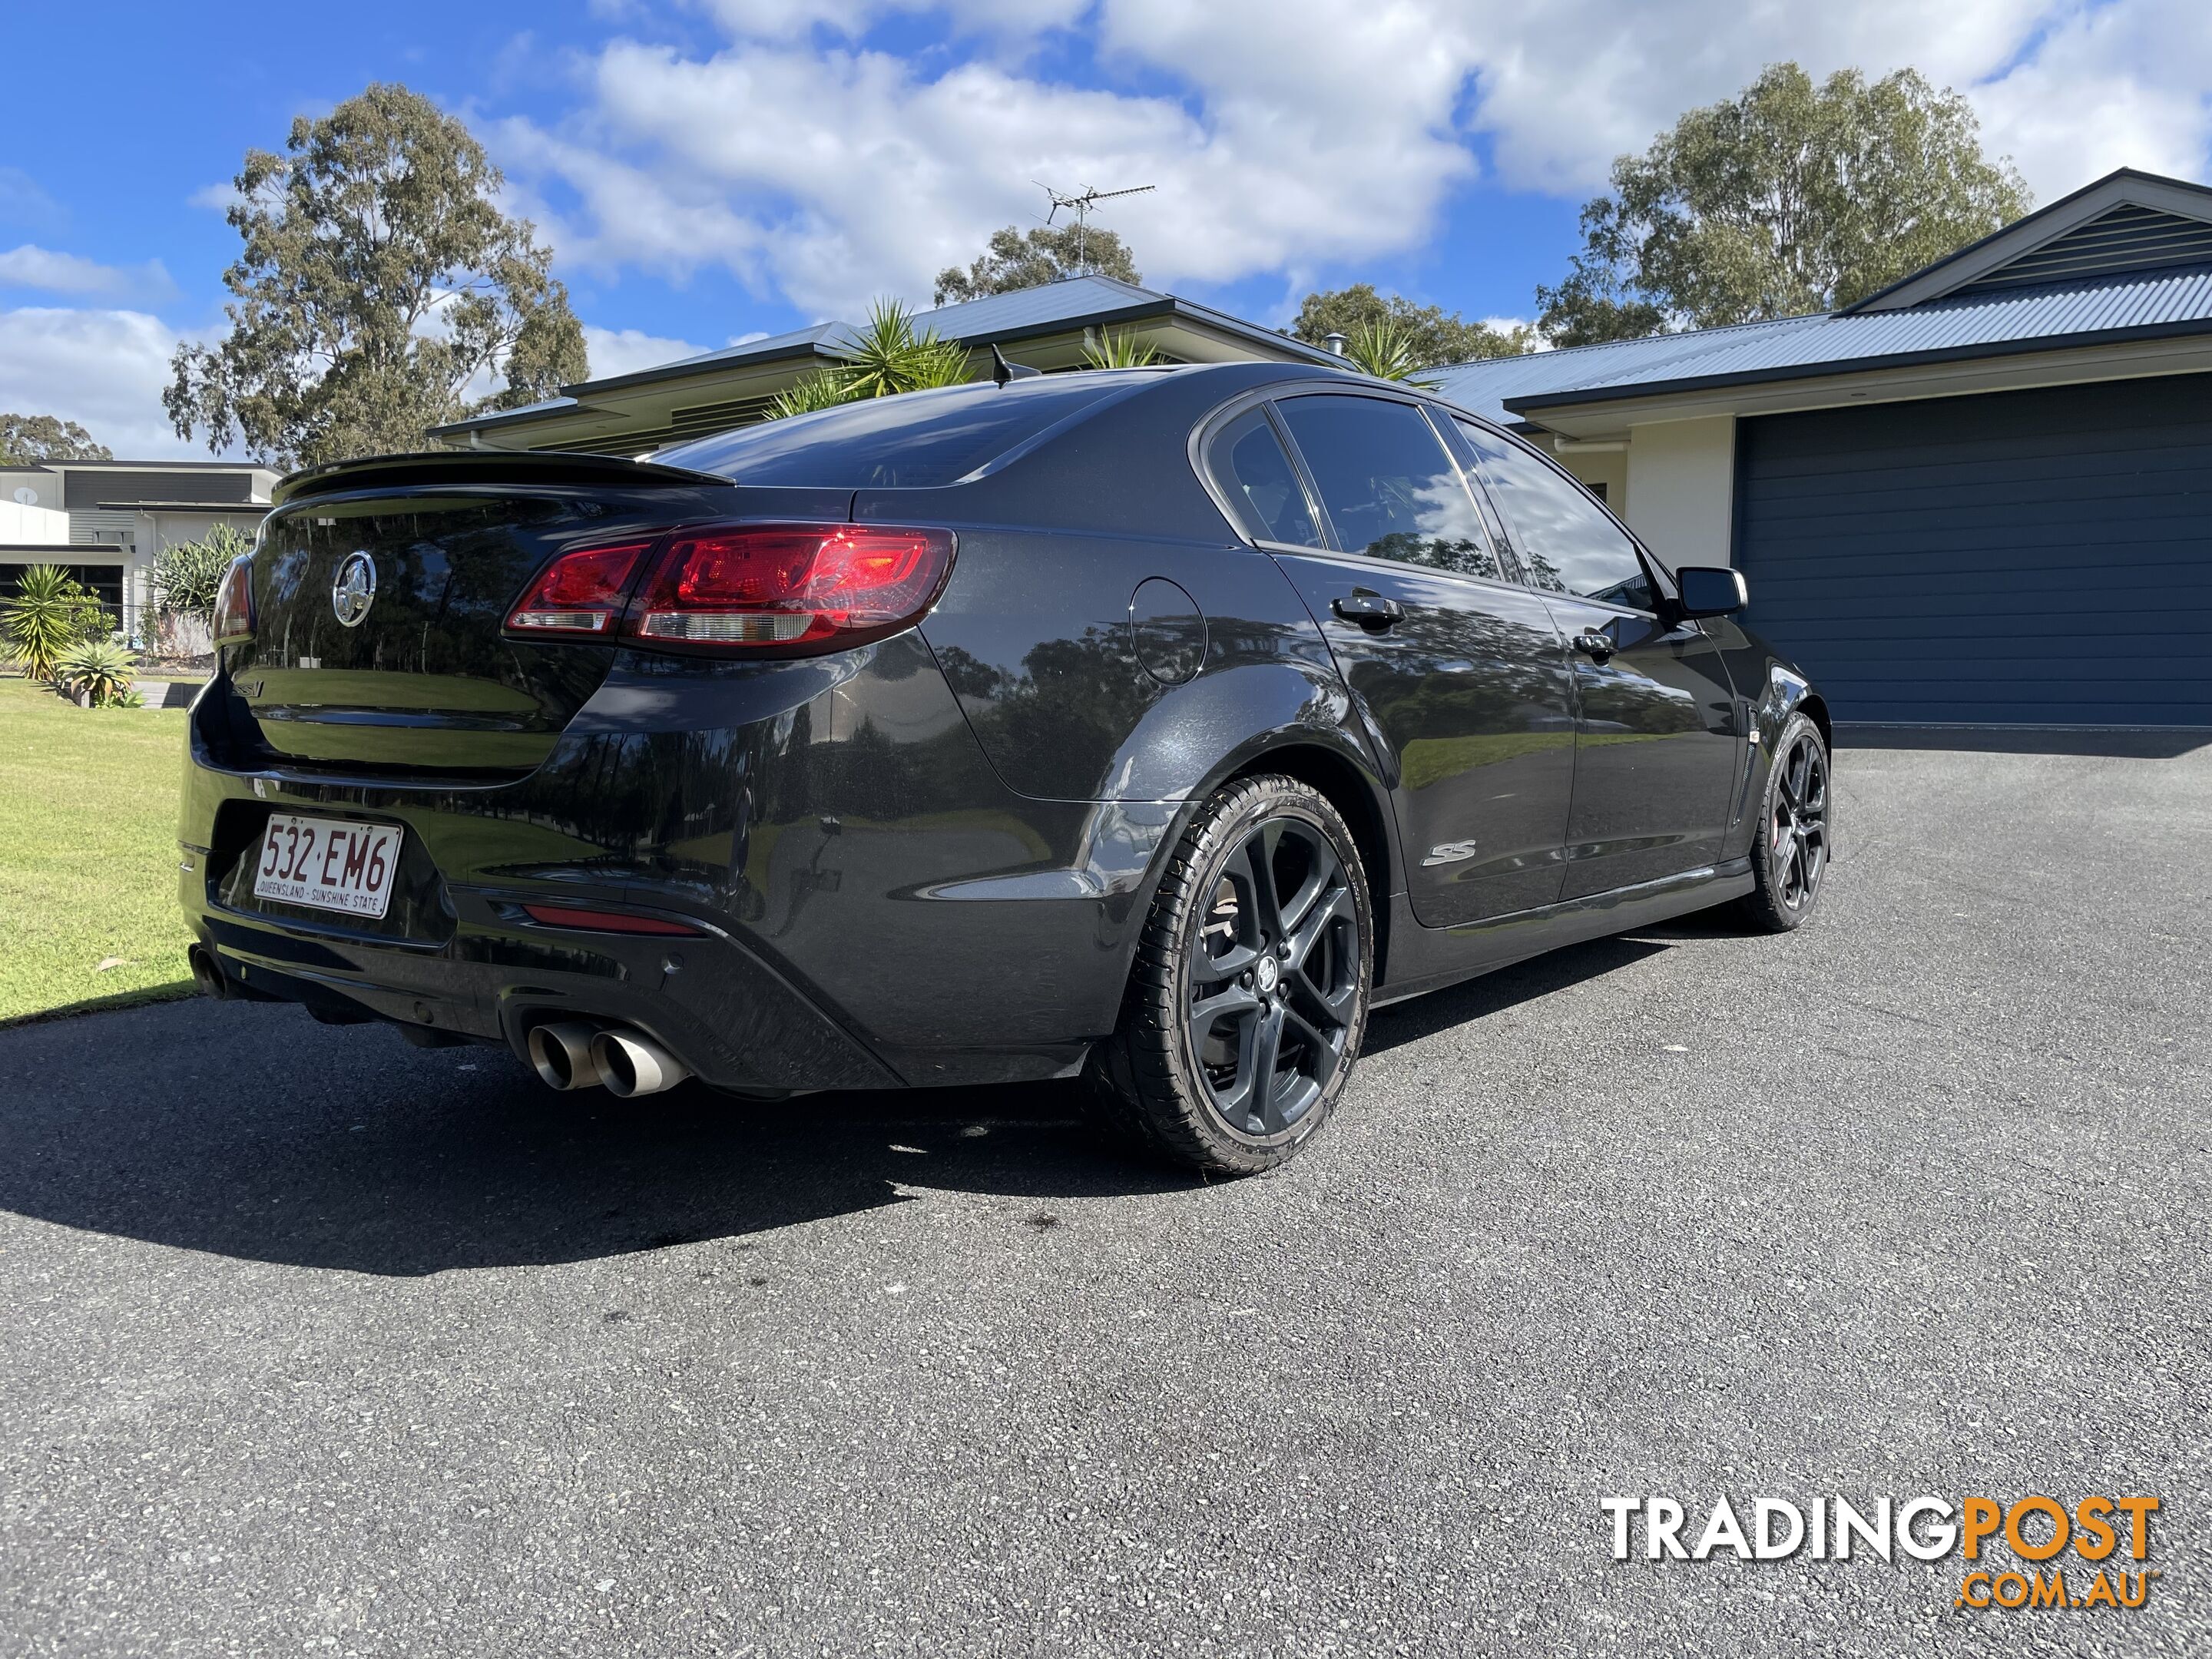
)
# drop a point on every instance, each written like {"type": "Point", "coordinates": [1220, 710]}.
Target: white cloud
{"type": "Point", "coordinates": [31, 266]}
{"type": "Point", "coordinates": [626, 351]}
{"type": "Point", "coordinates": [22, 203]}
{"type": "Point", "coordinates": [105, 369]}
{"type": "Point", "coordinates": [1282, 134]}
{"type": "Point", "coordinates": [2122, 85]}
{"type": "Point", "coordinates": [215, 198]}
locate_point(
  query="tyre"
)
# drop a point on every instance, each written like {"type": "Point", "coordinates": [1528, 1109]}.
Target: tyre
{"type": "Point", "coordinates": [1249, 997]}
{"type": "Point", "coordinates": [1789, 851]}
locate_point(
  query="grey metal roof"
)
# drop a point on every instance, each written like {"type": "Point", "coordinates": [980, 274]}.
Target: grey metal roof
{"type": "Point", "coordinates": [796, 342]}
{"type": "Point", "coordinates": [1983, 324]}
{"type": "Point", "coordinates": [1482, 387]}
{"type": "Point", "coordinates": [1050, 308]}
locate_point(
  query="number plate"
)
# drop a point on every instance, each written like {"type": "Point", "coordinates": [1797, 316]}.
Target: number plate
{"type": "Point", "coordinates": [329, 863]}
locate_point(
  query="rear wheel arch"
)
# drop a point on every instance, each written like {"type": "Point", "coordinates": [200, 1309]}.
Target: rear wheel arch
{"type": "Point", "coordinates": [1349, 791]}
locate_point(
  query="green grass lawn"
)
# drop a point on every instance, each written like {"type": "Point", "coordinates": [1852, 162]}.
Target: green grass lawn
{"type": "Point", "coordinates": [88, 855]}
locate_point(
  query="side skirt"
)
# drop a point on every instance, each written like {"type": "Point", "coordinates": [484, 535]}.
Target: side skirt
{"type": "Point", "coordinates": [1425, 959]}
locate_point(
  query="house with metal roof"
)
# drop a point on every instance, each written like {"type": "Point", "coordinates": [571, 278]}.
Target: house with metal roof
{"type": "Point", "coordinates": [1981, 496]}
{"type": "Point", "coordinates": [1048, 327]}
{"type": "Point", "coordinates": [107, 522]}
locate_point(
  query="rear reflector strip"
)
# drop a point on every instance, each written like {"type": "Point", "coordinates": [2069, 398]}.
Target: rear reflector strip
{"type": "Point", "coordinates": [606, 921]}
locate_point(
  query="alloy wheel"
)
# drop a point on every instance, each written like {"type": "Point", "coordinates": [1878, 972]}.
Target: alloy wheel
{"type": "Point", "coordinates": [1274, 977]}
{"type": "Point", "coordinates": [1797, 830]}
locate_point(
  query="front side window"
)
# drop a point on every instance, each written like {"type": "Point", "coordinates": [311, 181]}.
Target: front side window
{"type": "Point", "coordinates": [1390, 488]}
{"type": "Point", "coordinates": [1570, 543]}
{"type": "Point", "coordinates": [1257, 476]}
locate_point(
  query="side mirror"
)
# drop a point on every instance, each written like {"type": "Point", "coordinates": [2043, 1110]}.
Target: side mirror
{"type": "Point", "coordinates": [1710, 591]}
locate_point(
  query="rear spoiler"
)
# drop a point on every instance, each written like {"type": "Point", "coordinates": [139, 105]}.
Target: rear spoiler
{"type": "Point", "coordinates": [465, 466]}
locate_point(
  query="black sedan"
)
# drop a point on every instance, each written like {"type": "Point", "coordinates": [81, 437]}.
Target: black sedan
{"type": "Point", "coordinates": [1148, 727]}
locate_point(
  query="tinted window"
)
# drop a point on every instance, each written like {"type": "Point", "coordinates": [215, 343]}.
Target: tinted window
{"type": "Point", "coordinates": [915, 440]}
{"type": "Point", "coordinates": [1391, 490]}
{"type": "Point", "coordinates": [1257, 476]}
{"type": "Point", "coordinates": [1570, 543]}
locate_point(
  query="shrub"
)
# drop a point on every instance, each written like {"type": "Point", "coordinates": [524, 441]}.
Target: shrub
{"type": "Point", "coordinates": [805, 396]}
{"type": "Point", "coordinates": [1120, 348]}
{"type": "Point", "coordinates": [97, 673]}
{"type": "Point", "coordinates": [188, 574]}
{"type": "Point", "coordinates": [51, 612]}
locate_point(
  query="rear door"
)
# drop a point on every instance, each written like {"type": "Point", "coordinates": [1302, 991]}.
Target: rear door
{"type": "Point", "coordinates": [1657, 746]}
{"type": "Point", "coordinates": [1461, 679]}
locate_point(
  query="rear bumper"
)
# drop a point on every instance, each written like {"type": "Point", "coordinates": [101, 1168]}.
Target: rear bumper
{"type": "Point", "coordinates": [872, 906]}
{"type": "Point", "coordinates": [705, 999]}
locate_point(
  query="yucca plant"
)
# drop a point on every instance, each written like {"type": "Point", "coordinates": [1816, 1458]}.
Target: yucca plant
{"type": "Point", "coordinates": [1120, 348]}
{"type": "Point", "coordinates": [96, 673]}
{"type": "Point", "coordinates": [938, 362]}
{"type": "Point", "coordinates": [888, 356]}
{"type": "Point", "coordinates": [825, 389]}
{"type": "Point", "coordinates": [49, 611]}
{"type": "Point", "coordinates": [1386, 347]}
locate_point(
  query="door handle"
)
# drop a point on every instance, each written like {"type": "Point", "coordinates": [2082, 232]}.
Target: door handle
{"type": "Point", "coordinates": [1370, 611]}
{"type": "Point", "coordinates": [1593, 645]}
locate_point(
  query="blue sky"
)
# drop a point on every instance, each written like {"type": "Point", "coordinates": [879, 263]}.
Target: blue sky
{"type": "Point", "coordinates": [721, 167]}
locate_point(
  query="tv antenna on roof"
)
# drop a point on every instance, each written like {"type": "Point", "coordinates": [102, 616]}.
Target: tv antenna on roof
{"type": "Point", "coordinates": [1081, 206]}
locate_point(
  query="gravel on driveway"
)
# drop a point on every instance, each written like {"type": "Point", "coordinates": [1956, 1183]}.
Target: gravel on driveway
{"type": "Point", "coordinates": [318, 1343]}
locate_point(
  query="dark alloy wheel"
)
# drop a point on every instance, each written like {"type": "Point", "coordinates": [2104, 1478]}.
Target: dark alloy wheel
{"type": "Point", "coordinates": [1249, 995]}
{"type": "Point", "coordinates": [1790, 853]}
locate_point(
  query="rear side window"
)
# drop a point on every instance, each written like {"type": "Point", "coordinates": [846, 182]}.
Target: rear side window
{"type": "Point", "coordinates": [917, 439]}
{"type": "Point", "coordinates": [1390, 489]}
{"type": "Point", "coordinates": [1570, 543]}
{"type": "Point", "coordinates": [1256, 475]}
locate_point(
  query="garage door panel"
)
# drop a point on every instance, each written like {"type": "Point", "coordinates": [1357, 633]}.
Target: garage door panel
{"type": "Point", "coordinates": [2006, 558]}
{"type": "Point", "coordinates": [2122, 621]}
{"type": "Point", "coordinates": [2177, 580]}
{"type": "Point", "coordinates": [1919, 467]}
{"type": "Point", "coordinates": [2079, 493]}
{"type": "Point", "coordinates": [2165, 565]}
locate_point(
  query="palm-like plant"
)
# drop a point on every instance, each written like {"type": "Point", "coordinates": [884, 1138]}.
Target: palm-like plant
{"type": "Point", "coordinates": [95, 673]}
{"type": "Point", "coordinates": [188, 574]}
{"type": "Point", "coordinates": [50, 612]}
{"type": "Point", "coordinates": [822, 391]}
{"type": "Point", "coordinates": [1120, 348]}
{"type": "Point", "coordinates": [889, 356]}
{"type": "Point", "coordinates": [1386, 349]}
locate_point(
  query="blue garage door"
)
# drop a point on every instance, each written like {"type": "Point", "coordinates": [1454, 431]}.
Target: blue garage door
{"type": "Point", "coordinates": [2037, 557]}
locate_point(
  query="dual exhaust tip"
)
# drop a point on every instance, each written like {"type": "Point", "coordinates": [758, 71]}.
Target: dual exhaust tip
{"type": "Point", "coordinates": [572, 1055]}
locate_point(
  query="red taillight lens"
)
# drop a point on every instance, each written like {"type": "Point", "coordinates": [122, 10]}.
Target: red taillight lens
{"type": "Point", "coordinates": [234, 603]}
{"type": "Point", "coordinates": [607, 921]}
{"type": "Point", "coordinates": [580, 594]}
{"type": "Point", "coordinates": [748, 586]}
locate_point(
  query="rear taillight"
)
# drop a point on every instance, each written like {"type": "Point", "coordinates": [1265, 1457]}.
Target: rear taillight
{"type": "Point", "coordinates": [580, 594]}
{"type": "Point", "coordinates": [750, 586]}
{"type": "Point", "coordinates": [757, 589]}
{"type": "Point", "coordinates": [234, 603]}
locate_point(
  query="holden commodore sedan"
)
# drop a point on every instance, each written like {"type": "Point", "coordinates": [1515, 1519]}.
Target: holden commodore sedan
{"type": "Point", "coordinates": [1146, 727]}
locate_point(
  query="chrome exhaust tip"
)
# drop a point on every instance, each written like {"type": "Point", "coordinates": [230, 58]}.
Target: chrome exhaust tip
{"type": "Point", "coordinates": [564, 1054]}
{"type": "Point", "coordinates": [630, 1064]}
{"type": "Point", "coordinates": [206, 974]}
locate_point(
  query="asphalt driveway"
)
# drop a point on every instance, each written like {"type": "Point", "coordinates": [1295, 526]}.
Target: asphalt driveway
{"type": "Point", "coordinates": [314, 1342]}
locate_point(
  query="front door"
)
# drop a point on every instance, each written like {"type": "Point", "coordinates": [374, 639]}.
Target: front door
{"type": "Point", "coordinates": [1658, 746]}
{"type": "Point", "coordinates": [1462, 681]}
